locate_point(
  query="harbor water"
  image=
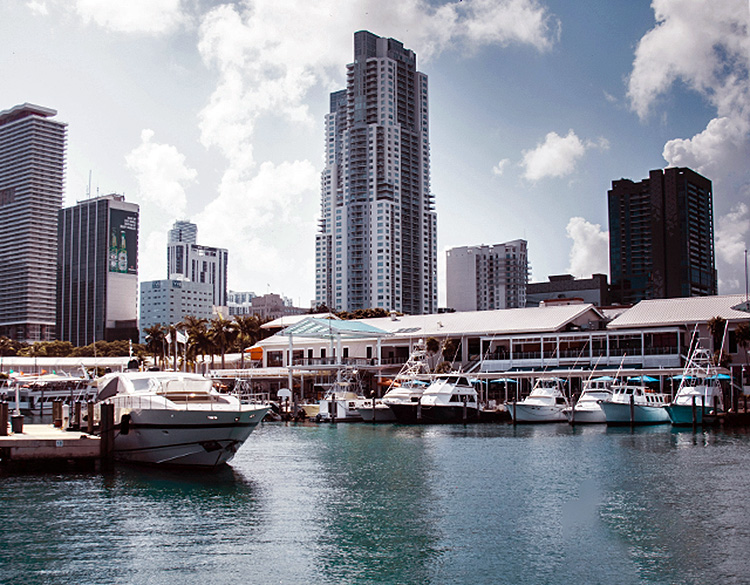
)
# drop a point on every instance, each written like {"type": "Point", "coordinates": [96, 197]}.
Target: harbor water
{"type": "Point", "coordinates": [390, 504]}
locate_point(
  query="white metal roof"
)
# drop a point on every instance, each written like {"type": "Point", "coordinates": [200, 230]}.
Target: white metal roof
{"type": "Point", "coordinates": [690, 310]}
{"type": "Point", "coordinates": [499, 322]}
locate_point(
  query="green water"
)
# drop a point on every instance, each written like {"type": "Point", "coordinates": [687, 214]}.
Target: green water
{"type": "Point", "coordinates": [331, 504]}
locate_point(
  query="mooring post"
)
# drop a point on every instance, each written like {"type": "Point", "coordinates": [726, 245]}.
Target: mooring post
{"type": "Point", "coordinates": [107, 430]}
{"type": "Point", "coordinates": [57, 416]}
{"type": "Point", "coordinates": [3, 419]}
{"type": "Point", "coordinates": [90, 417]}
{"type": "Point", "coordinates": [632, 410]}
{"type": "Point", "coordinates": [694, 413]}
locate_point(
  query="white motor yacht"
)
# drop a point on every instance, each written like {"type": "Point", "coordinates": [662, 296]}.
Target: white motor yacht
{"type": "Point", "coordinates": [634, 404]}
{"type": "Point", "coordinates": [545, 403]}
{"type": "Point", "coordinates": [176, 418]}
{"type": "Point", "coordinates": [588, 410]}
{"type": "Point", "coordinates": [450, 398]}
{"type": "Point", "coordinates": [339, 403]}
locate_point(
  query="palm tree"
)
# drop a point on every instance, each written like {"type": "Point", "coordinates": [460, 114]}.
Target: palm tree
{"type": "Point", "coordinates": [155, 336]}
{"type": "Point", "coordinates": [197, 334]}
{"type": "Point", "coordinates": [223, 332]}
{"type": "Point", "coordinates": [248, 333]}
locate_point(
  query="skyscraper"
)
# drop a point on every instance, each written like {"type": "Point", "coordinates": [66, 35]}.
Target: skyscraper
{"type": "Point", "coordinates": [481, 278]}
{"type": "Point", "coordinates": [97, 283]}
{"type": "Point", "coordinates": [377, 239]}
{"type": "Point", "coordinates": [661, 237]}
{"type": "Point", "coordinates": [188, 260]}
{"type": "Point", "coordinates": [32, 167]}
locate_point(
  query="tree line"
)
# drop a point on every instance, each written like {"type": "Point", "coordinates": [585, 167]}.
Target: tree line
{"type": "Point", "coordinates": [204, 337]}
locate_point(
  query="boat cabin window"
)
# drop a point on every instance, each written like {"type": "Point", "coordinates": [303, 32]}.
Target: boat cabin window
{"type": "Point", "coordinates": [559, 400]}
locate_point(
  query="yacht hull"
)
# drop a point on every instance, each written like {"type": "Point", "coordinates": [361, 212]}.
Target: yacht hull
{"type": "Point", "coordinates": [381, 413]}
{"type": "Point", "coordinates": [437, 414]}
{"type": "Point", "coordinates": [195, 438]}
{"type": "Point", "coordinates": [535, 413]}
{"type": "Point", "coordinates": [620, 414]}
{"type": "Point", "coordinates": [586, 417]}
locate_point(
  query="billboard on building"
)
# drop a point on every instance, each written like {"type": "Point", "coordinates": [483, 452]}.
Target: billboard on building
{"type": "Point", "coordinates": [123, 241]}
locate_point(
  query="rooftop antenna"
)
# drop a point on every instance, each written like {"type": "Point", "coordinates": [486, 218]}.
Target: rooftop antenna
{"type": "Point", "coordinates": [88, 191]}
{"type": "Point", "coordinates": [746, 289]}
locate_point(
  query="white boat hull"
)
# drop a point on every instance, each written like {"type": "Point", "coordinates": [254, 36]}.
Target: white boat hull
{"type": "Point", "coordinates": [197, 437]}
{"type": "Point", "coordinates": [380, 413]}
{"type": "Point", "coordinates": [587, 416]}
{"type": "Point", "coordinates": [620, 414]}
{"type": "Point", "coordinates": [535, 413]}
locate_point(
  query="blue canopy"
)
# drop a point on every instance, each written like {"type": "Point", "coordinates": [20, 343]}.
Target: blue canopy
{"type": "Point", "coordinates": [504, 381]}
{"type": "Point", "coordinates": [643, 379]}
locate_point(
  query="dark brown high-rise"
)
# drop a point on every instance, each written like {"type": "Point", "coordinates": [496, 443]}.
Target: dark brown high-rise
{"type": "Point", "coordinates": [661, 237]}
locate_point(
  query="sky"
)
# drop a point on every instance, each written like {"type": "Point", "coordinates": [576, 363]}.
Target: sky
{"type": "Point", "coordinates": [213, 112]}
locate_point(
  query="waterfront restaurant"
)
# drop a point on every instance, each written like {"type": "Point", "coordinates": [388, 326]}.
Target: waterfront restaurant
{"type": "Point", "coordinates": [651, 337]}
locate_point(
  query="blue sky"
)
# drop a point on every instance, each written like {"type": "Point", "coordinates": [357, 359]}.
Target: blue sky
{"type": "Point", "coordinates": [213, 112]}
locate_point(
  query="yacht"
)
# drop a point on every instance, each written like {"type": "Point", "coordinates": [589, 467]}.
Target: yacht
{"type": "Point", "coordinates": [41, 391]}
{"type": "Point", "coordinates": [545, 403]}
{"type": "Point", "coordinates": [699, 392]}
{"type": "Point", "coordinates": [635, 404]}
{"type": "Point", "coordinates": [175, 418]}
{"type": "Point", "coordinates": [450, 398]}
{"type": "Point", "coordinates": [587, 409]}
{"type": "Point", "coordinates": [339, 404]}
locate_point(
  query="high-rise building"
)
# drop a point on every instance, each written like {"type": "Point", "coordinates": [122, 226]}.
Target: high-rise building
{"type": "Point", "coordinates": [32, 168]}
{"type": "Point", "coordinates": [481, 278]}
{"type": "Point", "coordinates": [97, 271]}
{"type": "Point", "coordinates": [377, 239]}
{"type": "Point", "coordinates": [204, 264]}
{"type": "Point", "coordinates": [661, 237]}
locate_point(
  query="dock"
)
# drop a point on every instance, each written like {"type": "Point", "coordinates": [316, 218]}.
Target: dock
{"type": "Point", "coordinates": [49, 444]}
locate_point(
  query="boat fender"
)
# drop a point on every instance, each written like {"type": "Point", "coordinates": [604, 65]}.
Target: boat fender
{"type": "Point", "coordinates": [125, 424]}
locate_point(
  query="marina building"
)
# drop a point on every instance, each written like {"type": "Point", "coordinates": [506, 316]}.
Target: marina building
{"type": "Point", "coordinates": [480, 278]}
{"type": "Point", "coordinates": [376, 244]}
{"type": "Point", "coordinates": [32, 169]}
{"type": "Point", "coordinates": [190, 261]}
{"type": "Point", "coordinates": [97, 271]}
{"type": "Point", "coordinates": [661, 237]}
{"type": "Point", "coordinates": [166, 302]}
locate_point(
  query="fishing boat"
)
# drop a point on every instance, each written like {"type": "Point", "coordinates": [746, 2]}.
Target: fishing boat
{"type": "Point", "coordinates": [545, 403]}
{"type": "Point", "coordinates": [699, 396]}
{"type": "Point", "coordinates": [41, 391]}
{"type": "Point", "coordinates": [175, 418]}
{"type": "Point", "coordinates": [588, 410]}
{"type": "Point", "coordinates": [406, 387]}
{"type": "Point", "coordinates": [339, 404]}
{"type": "Point", "coordinates": [635, 404]}
{"type": "Point", "coordinates": [450, 398]}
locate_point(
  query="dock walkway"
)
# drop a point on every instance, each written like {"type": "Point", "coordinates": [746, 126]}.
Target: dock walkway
{"type": "Point", "coordinates": [49, 443]}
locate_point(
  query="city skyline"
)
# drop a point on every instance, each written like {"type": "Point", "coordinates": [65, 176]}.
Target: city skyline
{"type": "Point", "coordinates": [197, 110]}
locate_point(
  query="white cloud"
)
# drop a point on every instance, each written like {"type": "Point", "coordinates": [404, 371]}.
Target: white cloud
{"type": "Point", "coordinates": [133, 16]}
{"type": "Point", "coordinates": [589, 253]}
{"type": "Point", "coordinates": [500, 167]}
{"type": "Point", "coordinates": [161, 173]}
{"type": "Point", "coordinates": [38, 7]}
{"type": "Point", "coordinates": [731, 231]}
{"type": "Point", "coordinates": [557, 156]}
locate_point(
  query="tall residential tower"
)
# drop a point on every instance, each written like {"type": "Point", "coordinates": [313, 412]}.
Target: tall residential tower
{"type": "Point", "coordinates": [32, 167]}
{"type": "Point", "coordinates": [377, 241]}
{"type": "Point", "coordinates": [661, 237]}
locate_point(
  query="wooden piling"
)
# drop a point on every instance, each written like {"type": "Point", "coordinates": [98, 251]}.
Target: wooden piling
{"type": "Point", "coordinates": [107, 432]}
{"type": "Point", "coordinates": [3, 419]}
{"type": "Point", "coordinates": [57, 414]}
{"type": "Point", "coordinates": [90, 418]}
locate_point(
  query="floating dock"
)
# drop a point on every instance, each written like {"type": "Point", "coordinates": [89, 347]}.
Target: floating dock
{"type": "Point", "coordinates": [47, 443]}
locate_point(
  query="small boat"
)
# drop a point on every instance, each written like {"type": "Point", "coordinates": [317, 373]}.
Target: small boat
{"type": "Point", "coordinates": [339, 404]}
{"type": "Point", "coordinates": [699, 393]}
{"type": "Point", "coordinates": [635, 404]}
{"type": "Point", "coordinates": [43, 390]}
{"type": "Point", "coordinates": [450, 398]}
{"type": "Point", "coordinates": [588, 410]}
{"type": "Point", "coordinates": [545, 403]}
{"type": "Point", "coordinates": [175, 418]}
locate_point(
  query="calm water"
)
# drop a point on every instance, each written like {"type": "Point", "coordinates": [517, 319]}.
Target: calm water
{"type": "Point", "coordinates": [344, 504]}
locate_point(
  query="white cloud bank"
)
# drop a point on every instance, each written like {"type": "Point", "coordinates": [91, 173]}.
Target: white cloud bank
{"type": "Point", "coordinates": [706, 47]}
{"type": "Point", "coordinates": [557, 156]}
{"type": "Point", "coordinates": [151, 17]}
{"type": "Point", "coordinates": [589, 253]}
